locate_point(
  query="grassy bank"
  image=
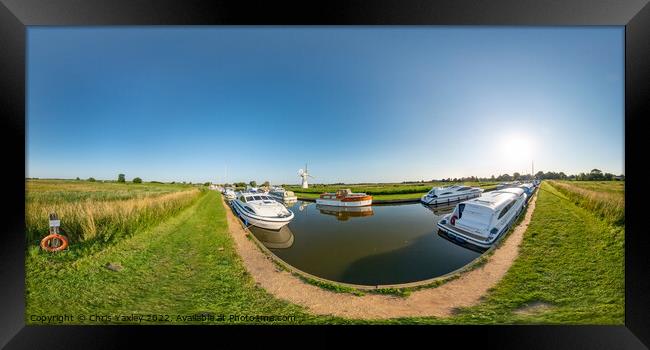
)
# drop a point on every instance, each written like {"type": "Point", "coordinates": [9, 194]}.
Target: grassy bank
{"type": "Point", "coordinates": [95, 214]}
{"type": "Point", "coordinates": [175, 269]}
{"type": "Point", "coordinates": [570, 270]}
{"type": "Point", "coordinates": [383, 191]}
{"type": "Point", "coordinates": [605, 198]}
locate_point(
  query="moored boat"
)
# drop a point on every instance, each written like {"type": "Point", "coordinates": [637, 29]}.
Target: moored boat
{"type": "Point", "coordinates": [344, 198]}
{"type": "Point", "coordinates": [528, 188]}
{"type": "Point", "coordinates": [448, 194]}
{"type": "Point", "coordinates": [508, 184]}
{"type": "Point", "coordinates": [262, 211]}
{"type": "Point", "coordinates": [282, 195]}
{"type": "Point", "coordinates": [481, 221]}
{"type": "Point", "coordinates": [229, 193]}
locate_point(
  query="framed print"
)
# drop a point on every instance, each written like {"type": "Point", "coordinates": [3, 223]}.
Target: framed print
{"type": "Point", "coordinates": [471, 170]}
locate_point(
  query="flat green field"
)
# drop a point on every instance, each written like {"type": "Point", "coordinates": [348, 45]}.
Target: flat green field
{"type": "Point", "coordinates": [174, 269]}
{"type": "Point", "coordinates": [570, 271]}
{"type": "Point", "coordinates": [604, 198]}
{"type": "Point", "coordinates": [94, 214]}
{"type": "Point", "coordinates": [384, 191]}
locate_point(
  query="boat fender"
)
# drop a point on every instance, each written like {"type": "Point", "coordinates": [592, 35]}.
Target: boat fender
{"type": "Point", "coordinates": [453, 220]}
{"type": "Point", "coordinates": [45, 242]}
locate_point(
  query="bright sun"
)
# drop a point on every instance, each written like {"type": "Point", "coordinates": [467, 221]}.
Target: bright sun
{"type": "Point", "coordinates": [517, 147]}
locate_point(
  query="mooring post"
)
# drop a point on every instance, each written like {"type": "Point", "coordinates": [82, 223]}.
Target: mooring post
{"type": "Point", "coordinates": [55, 223]}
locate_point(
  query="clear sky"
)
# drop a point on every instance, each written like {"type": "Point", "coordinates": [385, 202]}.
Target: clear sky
{"type": "Point", "coordinates": [366, 104]}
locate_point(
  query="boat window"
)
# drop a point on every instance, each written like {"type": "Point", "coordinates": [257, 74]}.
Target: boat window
{"type": "Point", "coordinates": [257, 198]}
{"type": "Point", "coordinates": [505, 209]}
{"type": "Point", "coordinates": [463, 189]}
{"type": "Point", "coordinates": [248, 198]}
{"type": "Point", "coordinates": [445, 193]}
{"type": "Point", "coordinates": [461, 207]}
{"type": "Point", "coordinates": [242, 199]}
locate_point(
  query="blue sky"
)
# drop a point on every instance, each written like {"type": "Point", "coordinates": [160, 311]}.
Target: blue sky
{"type": "Point", "coordinates": [366, 104]}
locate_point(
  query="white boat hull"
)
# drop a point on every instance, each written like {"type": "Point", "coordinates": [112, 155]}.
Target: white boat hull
{"type": "Point", "coordinates": [267, 223]}
{"type": "Point", "coordinates": [450, 199]}
{"type": "Point", "coordinates": [271, 225]}
{"type": "Point", "coordinates": [338, 203]}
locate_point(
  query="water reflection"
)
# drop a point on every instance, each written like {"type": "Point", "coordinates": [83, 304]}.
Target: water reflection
{"type": "Point", "coordinates": [440, 209]}
{"type": "Point", "coordinates": [344, 213]}
{"type": "Point", "coordinates": [367, 245]}
{"type": "Point", "coordinates": [281, 239]}
{"type": "Point", "coordinates": [303, 205]}
{"type": "Point", "coordinates": [461, 242]}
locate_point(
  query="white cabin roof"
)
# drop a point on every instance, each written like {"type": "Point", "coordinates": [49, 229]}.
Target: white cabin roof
{"type": "Point", "coordinates": [493, 200]}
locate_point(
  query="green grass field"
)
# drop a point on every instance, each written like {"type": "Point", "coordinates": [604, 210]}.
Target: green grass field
{"type": "Point", "coordinates": [571, 269]}
{"type": "Point", "coordinates": [383, 191]}
{"type": "Point", "coordinates": [94, 214]}
{"type": "Point", "coordinates": [605, 198]}
{"type": "Point", "coordinates": [173, 269]}
{"type": "Point", "coordinates": [571, 262]}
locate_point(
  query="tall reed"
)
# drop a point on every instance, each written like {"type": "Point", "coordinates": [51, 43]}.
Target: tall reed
{"type": "Point", "coordinates": [608, 204]}
{"type": "Point", "coordinates": [104, 220]}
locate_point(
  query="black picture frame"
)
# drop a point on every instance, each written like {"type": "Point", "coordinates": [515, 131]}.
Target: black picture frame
{"type": "Point", "coordinates": [16, 15]}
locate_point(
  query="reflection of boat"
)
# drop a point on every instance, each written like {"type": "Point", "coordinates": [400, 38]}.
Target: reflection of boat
{"type": "Point", "coordinates": [262, 211]}
{"type": "Point", "coordinates": [344, 198]}
{"type": "Point", "coordinates": [440, 195]}
{"type": "Point", "coordinates": [344, 213]}
{"type": "Point", "coordinates": [482, 220]}
{"type": "Point", "coordinates": [304, 205]}
{"type": "Point", "coordinates": [440, 209]}
{"type": "Point", "coordinates": [461, 242]}
{"type": "Point", "coordinates": [274, 239]}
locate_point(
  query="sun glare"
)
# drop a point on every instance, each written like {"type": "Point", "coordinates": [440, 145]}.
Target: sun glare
{"type": "Point", "coordinates": [517, 147]}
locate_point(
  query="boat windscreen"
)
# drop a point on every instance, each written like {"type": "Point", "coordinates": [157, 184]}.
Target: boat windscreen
{"type": "Point", "coordinates": [475, 217]}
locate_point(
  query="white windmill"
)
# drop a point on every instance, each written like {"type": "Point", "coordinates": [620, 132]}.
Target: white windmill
{"type": "Point", "coordinates": [304, 175]}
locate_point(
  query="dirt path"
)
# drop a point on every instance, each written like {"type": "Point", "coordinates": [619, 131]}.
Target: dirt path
{"type": "Point", "coordinates": [440, 302]}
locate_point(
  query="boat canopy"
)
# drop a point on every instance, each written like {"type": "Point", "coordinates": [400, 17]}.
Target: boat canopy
{"type": "Point", "coordinates": [344, 192]}
{"type": "Point", "coordinates": [475, 217]}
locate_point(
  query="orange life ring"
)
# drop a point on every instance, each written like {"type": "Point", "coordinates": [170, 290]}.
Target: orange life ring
{"type": "Point", "coordinates": [45, 242]}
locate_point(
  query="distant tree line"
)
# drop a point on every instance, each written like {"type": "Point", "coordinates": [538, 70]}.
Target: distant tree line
{"type": "Point", "coordinates": [593, 175]}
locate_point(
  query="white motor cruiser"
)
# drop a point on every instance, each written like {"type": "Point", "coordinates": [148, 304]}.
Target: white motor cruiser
{"type": "Point", "coordinates": [509, 184]}
{"type": "Point", "coordinates": [229, 193]}
{"type": "Point", "coordinates": [261, 210]}
{"type": "Point", "coordinates": [481, 221]}
{"type": "Point", "coordinates": [440, 195]}
{"type": "Point", "coordinates": [282, 195]}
